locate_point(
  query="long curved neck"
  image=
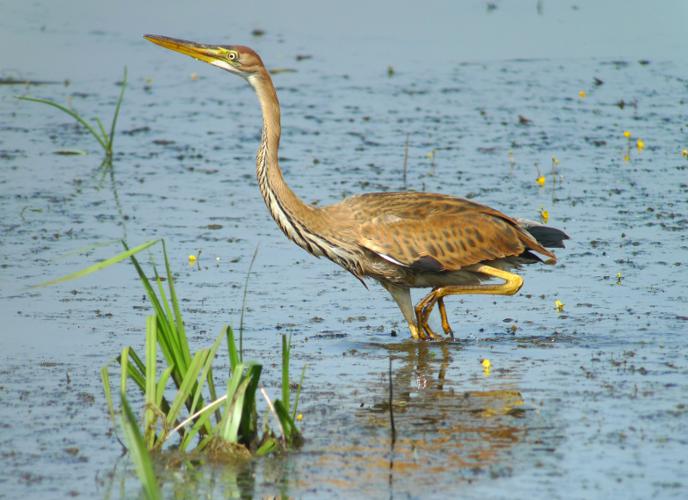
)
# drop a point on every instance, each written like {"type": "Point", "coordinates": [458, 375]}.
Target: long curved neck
{"type": "Point", "coordinates": [306, 225]}
{"type": "Point", "coordinates": [290, 213]}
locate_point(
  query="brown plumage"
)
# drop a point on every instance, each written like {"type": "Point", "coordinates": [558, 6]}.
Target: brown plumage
{"type": "Point", "coordinates": [402, 240]}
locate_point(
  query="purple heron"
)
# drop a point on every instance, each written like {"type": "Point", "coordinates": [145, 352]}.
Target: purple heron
{"type": "Point", "coordinates": [403, 240]}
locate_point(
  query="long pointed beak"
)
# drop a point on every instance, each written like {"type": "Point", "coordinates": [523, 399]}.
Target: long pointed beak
{"type": "Point", "coordinates": [198, 51]}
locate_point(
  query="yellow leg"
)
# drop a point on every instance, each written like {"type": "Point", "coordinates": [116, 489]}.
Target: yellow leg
{"type": "Point", "coordinates": [423, 309]}
{"type": "Point", "coordinates": [443, 314]}
{"type": "Point", "coordinates": [512, 284]}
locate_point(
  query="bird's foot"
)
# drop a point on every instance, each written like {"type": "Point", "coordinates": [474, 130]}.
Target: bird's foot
{"type": "Point", "coordinates": [425, 332]}
{"type": "Point", "coordinates": [430, 334]}
{"type": "Point", "coordinates": [423, 310]}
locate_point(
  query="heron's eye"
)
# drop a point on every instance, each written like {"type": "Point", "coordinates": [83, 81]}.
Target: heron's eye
{"type": "Point", "coordinates": [232, 56]}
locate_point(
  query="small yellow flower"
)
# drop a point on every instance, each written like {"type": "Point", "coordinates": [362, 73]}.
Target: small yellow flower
{"type": "Point", "coordinates": [627, 157]}
{"type": "Point", "coordinates": [192, 259]}
{"type": "Point", "coordinates": [487, 367]}
{"type": "Point", "coordinates": [640, 144]}
{"type": "Point", "coordinates": [299, 417]}
{"type": "Point", "coordinates": [619, 278]}
{"type": "Point", "coordinates": [558, 305]}
{"type": "Point", "coordinates": [684, 152]}
{"type": "Point", "coordinates": [627, 134]}
{"type": "Point", "coordinates": [541, 180]}
{"type": "Point", "coordinates": [582, 94]}
{"type": "Point", "coordinates": [544, 215]}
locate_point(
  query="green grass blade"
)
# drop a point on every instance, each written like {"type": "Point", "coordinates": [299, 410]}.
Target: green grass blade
{"type": "Point", "coordinates": [151, 378]}
{"type": "Point", "coordinates": [211, 384]}
{"type": "Point", "coordinates": [232, 350]}
{"type": "Point", "coordinates": [71, 113]}
{"type": "Point", "coordinates": [231, 431]}
{"type": "Point", "coordinates": [232, 384]}
{"type": "Point", "coordinates": [107, 389]}
{"type": "Point", "coordinates": [100, 265]}
{"type": "Point", "coordinates": [201, 420]}
{"type": "Point", "coordinates": [249, 419]}
{"type": "Point", "coordinates": [169, 317]}
{"type": "Point", "coordinates": [291, 432]}
{"type": "Point", "coordinates": [175, 305]}
{"type": "Point", "coordinates": [171, 336]}
{"type": "Point", "coordinates": [139, 453]}
{"type": "Point", "coordinates": [204, 373]}
{"type": "Point", "coordinates": [136, 371]}
{"type": "Point", "coordinates": [162, 383]}
{"type": "Point", "coordinates": [298, 393]}
{"type": "Point", "coordinates": [203, 443]}
{"type": "Point", "coordinates": [165, 329]}
{"type": "Point", "coordinates": [243, 304]}
{"type": "Point", "coordinates": [286, 389]}
{"type": "Point", "coordinates": [187, 385]}
{"type": "Point", "coordinates": [124, 363]}
{"type": "Point", "coordinates": [102, 130]}
{"type": "Point", "coordinates": [267, 447]}
{"type": "Point", "coordinates": [111, 137]}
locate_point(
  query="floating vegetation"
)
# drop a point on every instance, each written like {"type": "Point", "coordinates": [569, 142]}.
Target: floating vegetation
{"type": "Point", "coordinates": [26, 82]}
{"type": "Point", "coordinates": [487, 366]}
{"type": "Point", "coordinates": [639, 145]}
{"type": "Point", "coordinates": [104, 138]}
{"type": "Point", "coordinates": [544, 215]}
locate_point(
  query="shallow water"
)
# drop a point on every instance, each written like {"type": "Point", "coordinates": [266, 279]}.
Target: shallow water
{"type": "Point", "coordinates": [587, 402]}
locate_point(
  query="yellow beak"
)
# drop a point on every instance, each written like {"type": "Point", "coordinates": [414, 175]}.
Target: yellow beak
{"type": "Point", "coordinates": [198, 51]}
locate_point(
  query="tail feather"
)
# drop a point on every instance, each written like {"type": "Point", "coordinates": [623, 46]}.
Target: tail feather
{"type": "Point", "coordinates": [547, 236]}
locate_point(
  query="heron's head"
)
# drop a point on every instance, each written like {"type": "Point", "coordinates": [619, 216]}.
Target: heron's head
{"type": "Point", "coordinates": [236, 59]}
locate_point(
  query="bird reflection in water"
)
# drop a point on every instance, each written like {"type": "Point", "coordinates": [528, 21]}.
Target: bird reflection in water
{"type": "Point", "coordinates": [440, 429]}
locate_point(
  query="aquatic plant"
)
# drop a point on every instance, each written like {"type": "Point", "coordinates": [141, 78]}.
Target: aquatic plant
{"type": "Point", "coordinates": [180, 398]}
{"type": "Point", "coordinates": [544, 215]}
{"type": "Point", "coordinates": [104, 138]}
{"type": "Point", "coordinates": [540, 179]}
{"type": "Point", "coordinates": [231, 417]}
{"type": "Point", "coordinates": [139, 452]}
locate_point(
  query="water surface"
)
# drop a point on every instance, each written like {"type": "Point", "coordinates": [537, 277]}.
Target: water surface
{"type": "Point", "coordinates": [587, 402]}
